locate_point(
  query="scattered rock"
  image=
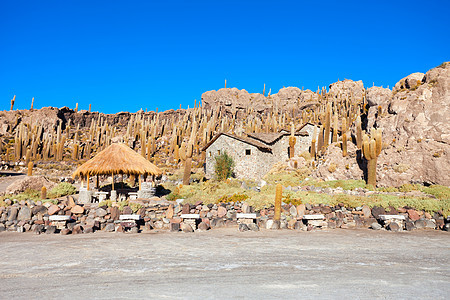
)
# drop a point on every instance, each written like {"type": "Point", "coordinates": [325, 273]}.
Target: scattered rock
{"type": "Point", "coordinates": [53, 209]}
{"type": "Point", "coordinates": [50, 229]}
{"type": "Point", "coordinates": [174, 227]}
{"type": "Point", "coordinates": [413, 215]}
{"type": "Point", "coordinates": [393, 226]}
{"type": "Point", "coordinates": [420, 224]}
{"type": "Point", "coordinates": [109, 227]}
{"type": "Point", "coordinates": [376, 226]}
{"type": "Point", "coordinates": [243, 227]}
{"type": "Point", "coordinates": [253, 227]}
{"type": "Point", "coordinates": [203, 226]}
{"type": "Point", "coordinates": [24, 214]}
{"type": "Point", "coordinates": [186, 227]}
{"type": "Point", "coordinates": [409, 226]}
{"type": "Point", "coordinates": [77, 209]}
{"type": "Point", "coordinates": [221, 211]}
{"type": "Point", "coordinates": [65, 231]}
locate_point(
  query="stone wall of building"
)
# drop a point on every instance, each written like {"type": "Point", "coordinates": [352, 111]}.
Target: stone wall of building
{"type": "Point", "coordinates": [257, 163]}
{"type": "Point", "coordinates": [252, 166]}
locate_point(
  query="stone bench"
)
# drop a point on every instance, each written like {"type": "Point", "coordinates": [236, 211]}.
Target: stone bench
{"type": "Point", "coordinates": [101, 196]}
{"type": "Point", "coordinates": [315, 220]}
{"type": "Point", "coordinates": [190, 219]}
{"type": "Point", "coordinates": [392, 217]}
{"type": "Point", "coordinates": [128, 221]}
{"type": "Point", "coordinates": [129, 217]}
{"type": "Point", "coordinates": [399, 219]}
{"type": "Point", "coordinates": [246, 218]}
{"type": "Point", "coordinates": [133, 195]}
{"type": "Point", "coordinates": [60, 221]}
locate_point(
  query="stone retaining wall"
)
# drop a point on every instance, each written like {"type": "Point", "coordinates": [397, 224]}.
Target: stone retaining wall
{"type": "Point", "coordinates": [167, 215]}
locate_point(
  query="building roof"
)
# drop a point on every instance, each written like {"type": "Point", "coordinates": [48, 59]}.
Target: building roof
{"type": "Point", "coordinates": [117, 158]}
{"type": "Point", "coordinates": [246, 140]}
{"type": "Point", "coordinates": [267, 138]}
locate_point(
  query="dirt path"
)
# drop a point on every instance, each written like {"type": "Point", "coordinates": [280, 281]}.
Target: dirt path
{"type": "Point", "coordinates": [224, 263]}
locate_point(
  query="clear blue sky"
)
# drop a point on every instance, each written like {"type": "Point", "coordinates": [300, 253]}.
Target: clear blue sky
{"type": "Point", "coordinates": [127, 55]}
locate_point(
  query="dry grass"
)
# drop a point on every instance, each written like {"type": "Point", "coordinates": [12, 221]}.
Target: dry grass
{"type": "Point", "coordinates": [213, 192]}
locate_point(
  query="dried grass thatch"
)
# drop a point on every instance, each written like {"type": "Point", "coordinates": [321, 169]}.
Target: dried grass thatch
{"type": "Point", "coordinates": [117, 159]}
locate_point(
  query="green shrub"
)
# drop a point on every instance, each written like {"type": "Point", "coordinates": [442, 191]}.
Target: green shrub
{"type": "Point", "coordinates": [233, 198]}
{"type": "Point", "coordinates": [62, 189]}
{"type": "Point", "coordinates": [224, 166]}
{"type": "Point", "coordinates": [135, 207]}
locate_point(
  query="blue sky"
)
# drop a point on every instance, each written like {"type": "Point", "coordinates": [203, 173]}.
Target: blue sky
{"type": "Point", "coordinates": [128, 55]}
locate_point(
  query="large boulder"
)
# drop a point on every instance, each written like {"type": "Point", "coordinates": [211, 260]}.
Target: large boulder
{"type": "Point", "coordinates": [350, 89]}
{"type": "Point", "coordinates": [29, 182]}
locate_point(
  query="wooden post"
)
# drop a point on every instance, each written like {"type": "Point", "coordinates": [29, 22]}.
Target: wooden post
{"type": "Point", "coordinates": [97, 182]}
{"type": "Point", "coordinates": [87, 181]}
{"type": "Point", "coordinates": [112, 181]}
{"type": "Point", "coordinates": [140, 181]}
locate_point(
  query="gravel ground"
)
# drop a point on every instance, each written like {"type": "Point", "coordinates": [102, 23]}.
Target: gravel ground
{"type": "Point", "coordinates": [224, 263]}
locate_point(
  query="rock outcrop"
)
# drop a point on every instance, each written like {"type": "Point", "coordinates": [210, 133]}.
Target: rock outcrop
{"type": "Point", "coordinates": [417, 130]}
{"type": "Point", "coordinates": [29, 182]}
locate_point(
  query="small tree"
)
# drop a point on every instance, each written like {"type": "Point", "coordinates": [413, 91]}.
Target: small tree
{"type": "Point", "coordinates": [224, 166]}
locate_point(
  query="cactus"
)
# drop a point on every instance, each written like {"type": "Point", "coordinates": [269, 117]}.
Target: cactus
{"type": "Point", "coordinates": [32, 103]}
{"type": "Point", "coordinates": [30, 169]}
{"type": "Point", "coordinates": [43, 193]}
{"type": "Point", "coordinates": [371, 150]}
{"type": "Point", "coordinates": [76, 107]}
{"type": "Point", "coordinates": [326, 136]}
{"type": "Point", "coordinates": [292, 141]}
{"type": "Point", "coordinates": [335, 129]}
{"type": "Point", "coordinates": [90, 107]}
{"type": "Point", "coordinates": [320, 142]}
{"type": "Point", "coordinates": [28, 156]}
{"type": "Point", "coordinates": [358, 132]}
{"type": "Point", "coordinates": [12, 102]}
{"type": "Point", "coordinates": [278, 195]}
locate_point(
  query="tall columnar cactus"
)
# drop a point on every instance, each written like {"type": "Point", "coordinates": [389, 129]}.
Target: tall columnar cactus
{"type": "Point", "coordinates": [344, 137]}
{"type": "Point", "coordinates": [188, 164]}
{"type": "Point", "coordinates": [43, 193]}
{"type": "Point", "coordinates": [326, 136]}
{"type": "Point", "coordinates": [76, 107]}
{"type": "Point", "coordinates": [335, 128]}
{"type": "Point", "coordinates": [371, 150]}
{"type": "Point", "coordinates": [320, 143]}
{"type": "Point", "coordinates": [32, 103]}
{"type": "Point", "coordinates": [292, 141]}
{"type": "Point", "coordinates": [30, 168]}
{"type": "Point", "coordinates": [358, 132]}
{"type": "Point", "coordinates": [278, 195]}
{"type": "Point", "coordinates": [12, 102]}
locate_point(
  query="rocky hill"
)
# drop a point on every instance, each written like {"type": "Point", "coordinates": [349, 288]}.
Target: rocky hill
{"type": "Point", "coordinates": [413, 117]}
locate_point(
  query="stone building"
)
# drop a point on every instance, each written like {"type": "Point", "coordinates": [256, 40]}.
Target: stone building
{"type": "Point", "coordinates": [255, 154]}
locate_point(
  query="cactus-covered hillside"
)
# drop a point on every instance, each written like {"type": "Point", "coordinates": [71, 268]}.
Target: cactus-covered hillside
{"type": "Point", "coordinates": [386, 136]}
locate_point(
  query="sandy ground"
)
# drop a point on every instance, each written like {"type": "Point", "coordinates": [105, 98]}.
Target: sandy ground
{"type": "Point", "coordinates": [224, 263]}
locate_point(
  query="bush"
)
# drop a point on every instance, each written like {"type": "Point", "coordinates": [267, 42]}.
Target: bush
{"type": "Point", "coordinates": [62, 189]}
{"type": "Point", "coordinates": [224, 166]}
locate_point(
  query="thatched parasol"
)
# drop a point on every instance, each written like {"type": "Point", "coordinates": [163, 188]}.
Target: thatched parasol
{"type": "Point", "coordinates": [117, 159]}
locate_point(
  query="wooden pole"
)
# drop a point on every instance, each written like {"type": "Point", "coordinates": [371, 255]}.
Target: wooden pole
{"type": "Point", "coordinates": [140, 181]}
{"type": "Point", "coordinates": [88, 181]}
{"type": "Point", "coordinates": [112, 181]}
{"type": "Point", "coordinates": [97, 182]}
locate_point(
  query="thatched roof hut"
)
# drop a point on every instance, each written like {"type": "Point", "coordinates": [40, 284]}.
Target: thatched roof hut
{"type": "Point", "coordinates": [117, 159]}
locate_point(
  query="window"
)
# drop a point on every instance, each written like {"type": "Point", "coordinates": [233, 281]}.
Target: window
{"type": "Point", "coordinates": [209, 154]}
{"type": "Point", "coordinates": [248, 151]}
{"type": "Point", "coordinates": [218, 152]}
